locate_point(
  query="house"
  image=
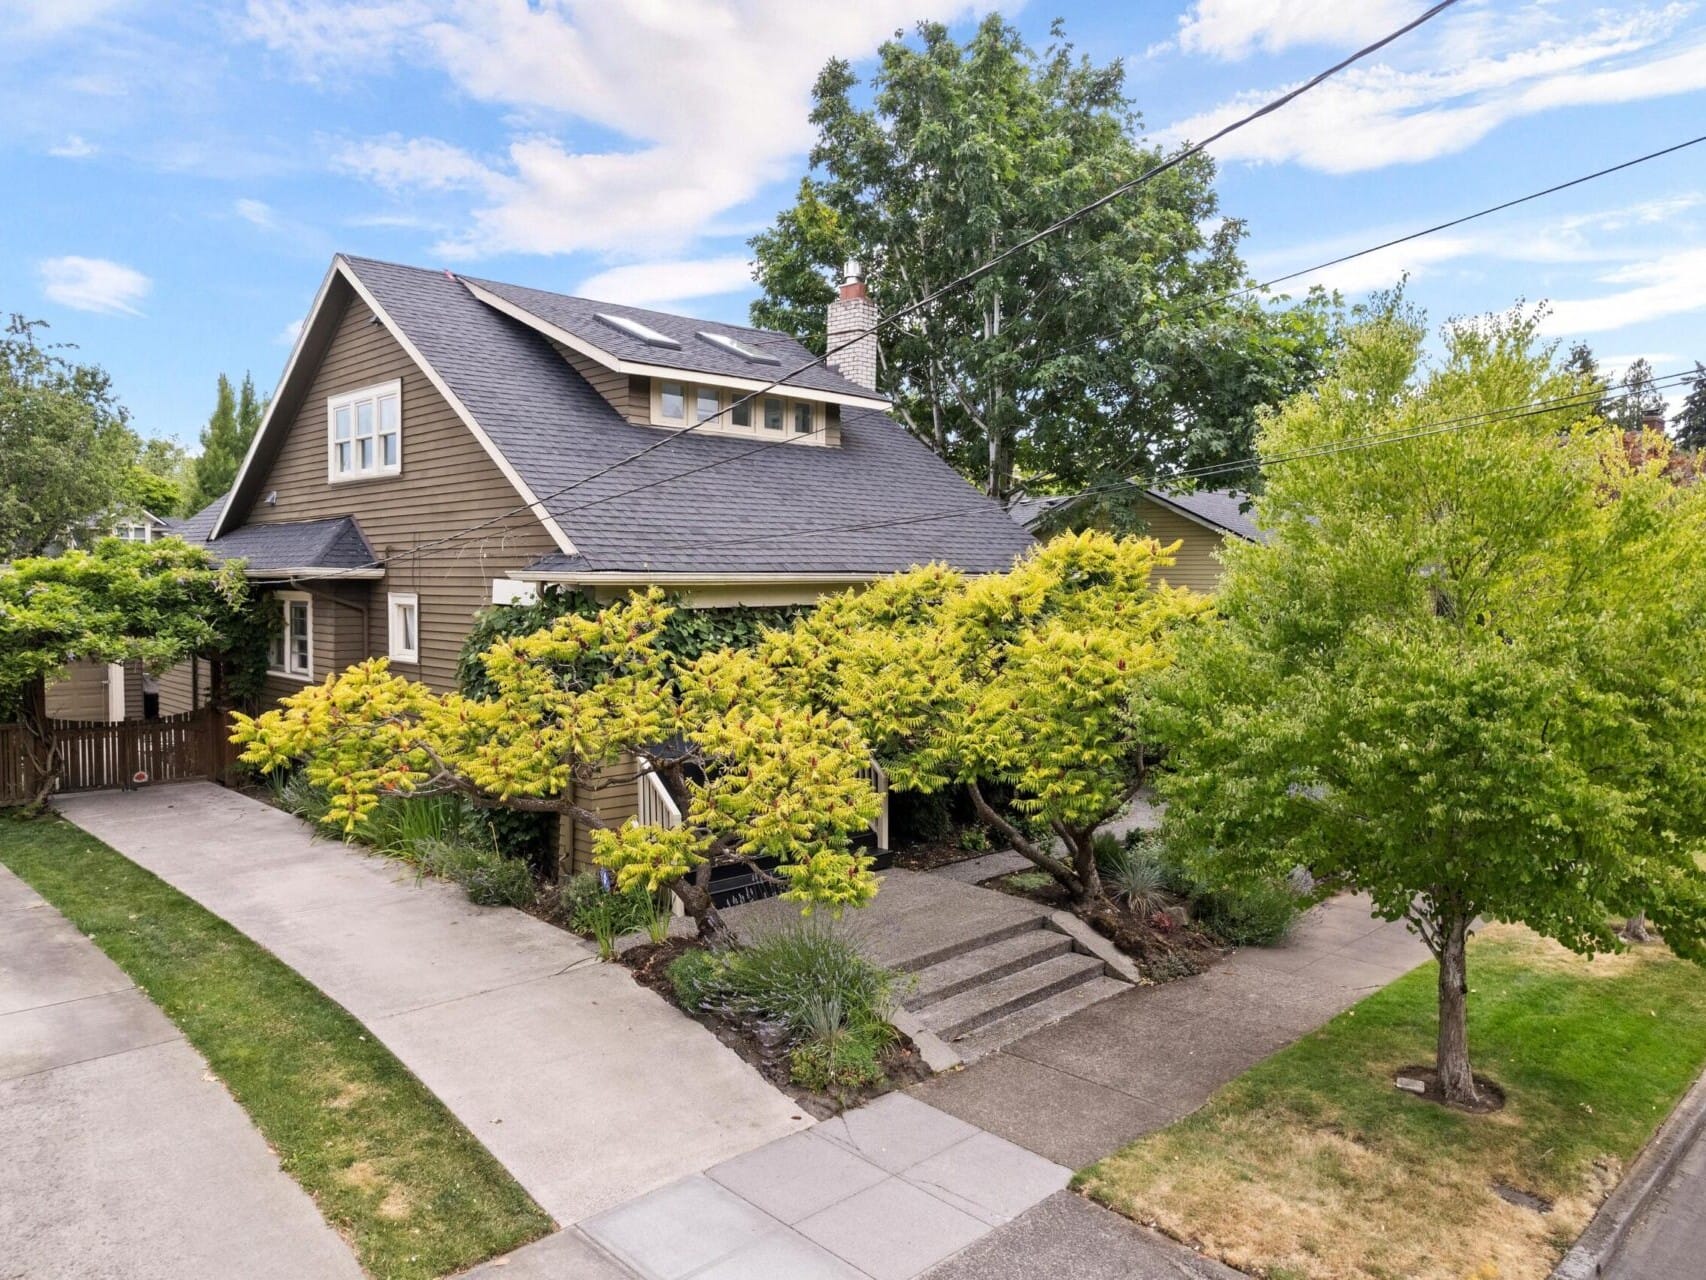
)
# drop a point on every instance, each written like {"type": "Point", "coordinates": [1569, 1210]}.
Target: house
{"type": "Point", "coordinates": [1200, 520]}
{"type": "Point", "coordinates": [440, 442]}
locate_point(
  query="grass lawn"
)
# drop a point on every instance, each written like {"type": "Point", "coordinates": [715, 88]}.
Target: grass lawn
{"type": "Point", "coordinates": [414, 1192]}
{"type": "Point", "coordinates": [1313, 1165]}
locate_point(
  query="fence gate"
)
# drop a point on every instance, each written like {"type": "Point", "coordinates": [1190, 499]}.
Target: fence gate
{"type": "Point", "coordinates": [98, 756]}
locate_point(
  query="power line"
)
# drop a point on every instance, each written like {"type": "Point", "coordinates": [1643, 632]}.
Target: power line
{"type": "Point", "coordinates": [1204, 303]}
{"type": "Point", "coordinates": [950, 286]}
{"type": "Point", "coordinates": [1488, 417]}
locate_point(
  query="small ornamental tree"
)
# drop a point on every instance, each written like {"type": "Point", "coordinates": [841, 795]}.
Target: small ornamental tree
{"type": "Point", "coordinates": [753, 774]}
{"type": "Point", "coordinates": [1463, 676]}
{"type": "Point", "coordinates": [158, 603]}
{"type": "Point", "coordinates": [1023, 680]}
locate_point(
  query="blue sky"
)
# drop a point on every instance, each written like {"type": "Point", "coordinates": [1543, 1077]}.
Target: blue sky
{"type": "Point", "coordinates": [178, 174]}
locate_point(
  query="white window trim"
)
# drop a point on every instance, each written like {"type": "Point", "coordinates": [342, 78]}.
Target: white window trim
{"type": "Point", "coordinates": [285, 599]}
{"type": "Point", "coordinates": [349, 399]}
{"type": "Point", "coordinates": [393, 601]}
{"type": "Point", "coordinates": [724, 425]}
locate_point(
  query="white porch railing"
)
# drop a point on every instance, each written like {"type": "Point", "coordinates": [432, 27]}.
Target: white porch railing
{"type": "Point", "coordinates": [656, 808]}
{"type": "Point", "coordinates": [880, 784]}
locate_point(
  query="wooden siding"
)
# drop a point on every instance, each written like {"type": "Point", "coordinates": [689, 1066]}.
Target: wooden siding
{"type": "Point", "coordinates": [184, 687]}
{"type": "Point", "coordinates": [615, 799]}
{"type": "Point", "coordinates": [629, 394]}
{"type": "Point", "coordinates": [1194, 565]}
{"type": "Point", "coordinates": [447, 483]}
{"type": "Point", "coordinates": [82, 693]}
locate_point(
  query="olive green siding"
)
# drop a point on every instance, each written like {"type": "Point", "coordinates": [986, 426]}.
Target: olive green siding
{"type": "Point", "coordinates": [1194, 565]}
{"type": "Point", "coordinates": [448, 482]}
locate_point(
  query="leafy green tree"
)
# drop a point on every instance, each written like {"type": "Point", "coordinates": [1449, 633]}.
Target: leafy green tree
{"type": "Point", "coordinates": [157, 603]}
{"type": "Point", "coordinates": [1099, 352]}
{"type": "Point", "coordinates": [224, 441]}
{"type": "Point", "coordinates": [167, 476]}
{"type": "Point", "coordinates": [1689, 425]}
{"type": "Point", "coordinates": [66, 449]}
{"type": "Point", "coordinates": [1463, 674]}
{"type": "Point", "coordinates": [753, 775]}
{"type": "Point", "coordinates": [1638, 401]}
{"type": "Point", "coordinates": [1022, 680]}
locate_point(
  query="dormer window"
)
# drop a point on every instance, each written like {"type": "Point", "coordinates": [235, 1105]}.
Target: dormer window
{"type": "Point", "coordinates": [729, 411]}
{"type": "Point", "coordinates": [364, 433]}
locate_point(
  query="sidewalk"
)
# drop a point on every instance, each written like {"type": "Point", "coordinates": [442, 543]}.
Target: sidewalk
{"type": "Point", "coordinates": [588, 1088]}
{"type": "Point", "coordinates": [1086, 1086]}
{"type": "Point", "coordinates": [124, 1157]}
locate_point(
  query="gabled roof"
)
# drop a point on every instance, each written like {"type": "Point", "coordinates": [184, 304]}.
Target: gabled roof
{"type": "Point", "coordinates": [1224, 510]}
{"type": "Point", "coordinates": [332, 545]}
{"type": "Point", "coordinates": [704, 505]}
{"type": "Point", "coordinates": [577, 321]}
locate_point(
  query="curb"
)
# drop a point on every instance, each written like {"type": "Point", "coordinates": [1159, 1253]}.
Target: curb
{"type": "Point", "coordinates": [1605, 1234]}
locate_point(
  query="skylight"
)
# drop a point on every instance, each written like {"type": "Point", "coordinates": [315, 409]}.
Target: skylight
{"type": "Point", "coordinates": [634, 329]}
{"type": "Point", "coordinates": [738, 348]}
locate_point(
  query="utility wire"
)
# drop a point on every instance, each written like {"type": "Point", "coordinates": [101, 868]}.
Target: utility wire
{"type": "Point", "coordinates": [1488, 417]}
{"type": "Point", "coordinates": [1204, 303]}
{"type": "Point", "coordinates": [959, 282]}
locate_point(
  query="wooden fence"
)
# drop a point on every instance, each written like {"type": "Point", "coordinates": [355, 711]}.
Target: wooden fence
{"type": "Point", "coordinates": [98, 756]}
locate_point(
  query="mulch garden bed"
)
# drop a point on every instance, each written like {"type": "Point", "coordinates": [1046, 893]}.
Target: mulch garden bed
{"type": "Point", "coordinates": [929, 855]}
{"type": "Point", "coordinates": [761, 1045]}
{"type": "Point", "coordinates": [1165, 945]}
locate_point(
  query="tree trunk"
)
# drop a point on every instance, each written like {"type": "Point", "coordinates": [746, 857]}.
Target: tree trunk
{"type": "Point", "coordinates": [44, 757]}
{"type": "Point", "coordinates": [1635, 929]}
{"type": "Point", "coordinates": [1456, 1080]}
{"type": "Point", "coordinates": [695, 894]}
{"type": "Point", "coordinates": [1082, 842]}
{"type": "Point", "coordinates": [1066, 874]}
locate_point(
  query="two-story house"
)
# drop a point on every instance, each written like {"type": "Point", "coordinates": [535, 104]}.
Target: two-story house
{"type": "Point", "coordinates": [438, 443]}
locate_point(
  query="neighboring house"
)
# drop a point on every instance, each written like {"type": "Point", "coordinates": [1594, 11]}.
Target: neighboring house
{"type": "Point", "coordinates": [1200, 520]}
{"type": "Point", "coordinates": [440, 442]}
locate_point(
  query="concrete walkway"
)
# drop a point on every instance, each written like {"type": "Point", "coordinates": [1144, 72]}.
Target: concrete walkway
{"type": "Point", "coordinates": [1088, 1085]}
{"type": "Point", "coordinates": [588, 1088]}
{"type": "Point", "coordinates": [124, 1157]}
{"type": "Point", "coordinates": [881, 1193]}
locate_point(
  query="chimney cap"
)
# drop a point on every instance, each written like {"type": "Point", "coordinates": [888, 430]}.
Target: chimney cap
{"type": "Point", "coordinates": [852, 270]}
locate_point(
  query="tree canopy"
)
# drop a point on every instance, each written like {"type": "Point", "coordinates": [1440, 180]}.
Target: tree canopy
{"type": "Point", "coordinates": [1022, 681]}
{"type": "Point", "coordinates": [1463, 674]}
{"type": "Point", "coordinates": [1107, 350]}
{"type": "Point", "coordinates": [753, 774]}
{"type": "Point", "coordinates": [67, 453]}
{"type": "Point", "coordinates": [230, 428]}
{"type": "Point", "coordinates": [1689, 425]}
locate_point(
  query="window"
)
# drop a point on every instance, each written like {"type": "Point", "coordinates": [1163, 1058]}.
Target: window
{"type": "Point", "coordinates": [291, 652]}
{"type": "Point", "coordinates": [731, 411]}
{"type": "Point", "coordinates": [672, 401]}
{"type": "Point", "coordinates": [734, 346]}
{"type": "Point", "coordinates": [405, 626]}
{"type": "Point", "coordinates": [364, 431]}
{"type": "Point", "coordinates": [706, 404]}
{"type": "Point", "coordinates": [132, 531]}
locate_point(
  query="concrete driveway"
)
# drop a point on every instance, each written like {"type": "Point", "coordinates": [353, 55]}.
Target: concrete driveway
{"type": "Point", "coordinates": [589, 1089]}
{"type": "Point", "coordinates": [123, 1156]}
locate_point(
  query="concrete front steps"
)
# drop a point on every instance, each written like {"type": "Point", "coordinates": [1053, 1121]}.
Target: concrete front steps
{"type": "Point", "coordinates": [982, 992]}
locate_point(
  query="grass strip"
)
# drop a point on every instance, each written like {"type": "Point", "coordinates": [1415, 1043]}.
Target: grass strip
{"type": "Point", "coordinates": [1313, 1165]}
{"type": "Point", "coordinates": [390, 1168]}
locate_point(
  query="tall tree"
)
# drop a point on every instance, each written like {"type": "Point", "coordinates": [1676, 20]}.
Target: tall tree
{"type": "Point", "coordinates": [66, 449]}
{"type": "Point", "coordinates": [1106, 350]}
{"type": "Point", "coordinates": [232, 425]}
{"type": "Point", "coordinates": [1689, 425]}
{"type": "Point", "coordinates": [1463, 674]}
{"type": "Point", "coordinates": [1639, 399]}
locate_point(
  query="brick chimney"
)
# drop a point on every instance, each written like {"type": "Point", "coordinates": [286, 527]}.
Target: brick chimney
{"type": "Point", "coordinates": [852, 313]}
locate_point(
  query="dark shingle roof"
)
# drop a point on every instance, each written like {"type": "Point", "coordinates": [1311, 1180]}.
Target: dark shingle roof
{"type": "Point", "coordinates": [579, 316]}
{"type": "Point", "coordinates": [335, 543]}
{"type": "Point", "coordinates": [1225, 508]}
{"type": "Point", "coordinates": [702, 504]}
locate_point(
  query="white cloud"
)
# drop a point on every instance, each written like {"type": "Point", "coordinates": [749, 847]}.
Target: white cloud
{"type": "Point", "coordinates": [94, 284]}
{"type": "Point", "coordinates": [708, 101]}
{"type": "Point", "coordinates": [73, 148]}
{"type": "Point", "coordinates": [1670, 284]}
{"type": "Point", "coordinates": [288, 335]}
{"type": "Point", "coordinates": [1232, 29]}
{"type": "Point", "coordinates": [257, 212]}
{"type": "Point", "coordinates": [49, 18]}
{"type": "Point", "coordinates": [1382, 113]}
{"type": "Point", "coordinates": [643, 284]}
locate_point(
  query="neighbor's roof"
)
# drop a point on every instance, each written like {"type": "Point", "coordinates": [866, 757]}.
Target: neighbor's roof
{"type": "Point", "coordinates": [1224, 509]}
{"type": "Point", "coordinates": [700, 504]}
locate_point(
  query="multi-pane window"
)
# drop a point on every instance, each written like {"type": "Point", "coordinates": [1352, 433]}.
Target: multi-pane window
{"type": "Point", "coordinates": [730, 411]}
{"type": "Point", "coordinates": [365, 433]}
{"type": "Point", "coordinates": [291, 651]}
{"type": "Point", "coordinates": [405, 626]}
